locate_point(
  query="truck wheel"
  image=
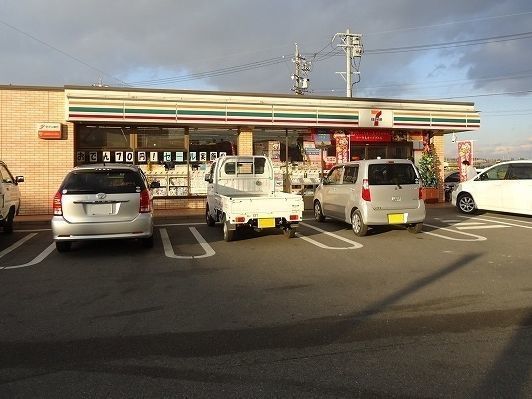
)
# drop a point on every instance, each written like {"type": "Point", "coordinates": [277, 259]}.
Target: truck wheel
{"type": "Point", "coordinates": [209, 219]}
{"type": "Point", "coordinates": [289, 232]}
{"type": "Point", "coordinates": [318, 213]}
{"type": "Point", "coordinates": [8, 223]}
{"type": "Point", "coordinates": [357, 223]}
{"type": "Point", "coordinates": [229, 235]}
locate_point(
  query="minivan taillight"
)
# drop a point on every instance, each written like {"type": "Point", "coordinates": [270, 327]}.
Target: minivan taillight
{"type": "Point", "coordinates": [366, 195]}
{"type": "Point", "coordinates": [145, 203]}
{"type": "Point", "coordinates": [56, 204]}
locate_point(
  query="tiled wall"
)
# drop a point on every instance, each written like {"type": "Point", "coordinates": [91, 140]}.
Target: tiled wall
{"type": "Point", "coordinates": [43, 163]}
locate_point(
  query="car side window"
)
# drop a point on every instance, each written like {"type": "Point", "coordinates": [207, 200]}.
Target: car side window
{"type": "Point", "coordinates": [495, 173]}
{"type": "Point", "coordinates": [520, 171]}
{"type": "Point", "coordinates": [335, 175]}
{"type": "Point", "coordinates": [350, 174]}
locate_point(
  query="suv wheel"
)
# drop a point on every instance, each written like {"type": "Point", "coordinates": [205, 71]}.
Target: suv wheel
{"type": "Point", "coordinates": [466, 204]}
{"type": "Point", "coordinates": [357, 224]}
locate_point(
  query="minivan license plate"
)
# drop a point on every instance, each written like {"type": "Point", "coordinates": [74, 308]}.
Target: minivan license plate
{"type": "Point", "coordinates": [99, 209]}
{"type": "Point", "coordinates": [396, 218]}
{"type": "Point", "coordinates": [267, 222]}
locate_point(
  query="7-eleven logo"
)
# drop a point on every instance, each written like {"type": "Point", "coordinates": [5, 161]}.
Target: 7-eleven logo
{"type": "Point", "coordinates": [376, 116]}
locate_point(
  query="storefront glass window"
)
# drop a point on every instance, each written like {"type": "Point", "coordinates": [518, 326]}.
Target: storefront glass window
{"type": "Point", "coordinates": [151, 138]}
{"type": "Point", "coordinates": [103, 137]}
{"type": "Point", "coordinates": [272, 143]}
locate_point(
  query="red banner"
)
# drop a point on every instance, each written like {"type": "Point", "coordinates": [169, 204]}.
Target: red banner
{"type": "Point", "coordinates": [371, 136]}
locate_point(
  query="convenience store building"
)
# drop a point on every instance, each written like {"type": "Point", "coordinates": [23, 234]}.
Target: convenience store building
{"type": "Point", "coordinates": [173, 135]}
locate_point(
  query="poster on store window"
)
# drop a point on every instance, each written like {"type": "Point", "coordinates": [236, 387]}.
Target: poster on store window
{"type": "Point", "coordinates": [465, 153]}
{"type": "Point", "coordinates": [342, 147]}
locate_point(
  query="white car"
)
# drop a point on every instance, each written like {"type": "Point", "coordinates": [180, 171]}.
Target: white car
{"type": "Point", "coordinates": [9, 197]}
{"type": "Point", "coordinates": [505, 187]}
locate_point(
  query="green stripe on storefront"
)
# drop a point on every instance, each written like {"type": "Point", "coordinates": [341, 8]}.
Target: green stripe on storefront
{"type": "Point", "coordinates": [150, 111]}
{"type": "Point", "coordinates": [347, 117]}
{"type": "Point", "coordinates": [204, 113]}
{"type": "Point", "coordinates": [448, 120]}
{"type": "Point", "coordinates": [96, 109]}
{"type": "Point", "coordinates": [408, 119]}
{"type": "Point", "coordinates": [251, 114]}
{"type": "Point", "coordinates": [286, 115]}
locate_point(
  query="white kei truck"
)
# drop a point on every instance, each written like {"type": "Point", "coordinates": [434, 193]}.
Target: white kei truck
{"type": "Point", "coordinates": [241, 193]}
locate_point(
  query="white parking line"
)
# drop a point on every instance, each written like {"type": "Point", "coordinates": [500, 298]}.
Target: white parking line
{"type": "Point", "coordinates": [506, 223]}
{"type": "Point", "coordinates": [17, 244]}
{"type": "Point", "coordinates": [483, 226]}
{"type": "Point", "coordinates": [476, 237]}
{"type": "Point", "coordinates": [38, 259]}
{"type": "Point", "coordinates": [354, 244]}
{"type": "Point", "coordinates": [169, 250]}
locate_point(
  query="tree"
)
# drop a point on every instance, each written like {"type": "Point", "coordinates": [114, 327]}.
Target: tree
{"type": "Point", "coordinates": [429, 168]}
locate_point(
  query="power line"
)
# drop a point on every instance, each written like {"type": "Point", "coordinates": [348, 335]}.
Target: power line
{"type": "Point", "coordinates": [62, 52]}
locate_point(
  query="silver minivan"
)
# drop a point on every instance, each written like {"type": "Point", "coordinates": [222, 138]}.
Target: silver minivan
{"type": "Point", "coordinates": [103, 202]}
{"type": "Point", "coordinates": [372, 193]}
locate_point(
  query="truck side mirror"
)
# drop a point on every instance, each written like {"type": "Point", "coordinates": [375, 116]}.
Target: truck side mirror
{"type": "Point", "coordinates": [208, 178]}
{"type": "Point", "coordinates": [19, 179]}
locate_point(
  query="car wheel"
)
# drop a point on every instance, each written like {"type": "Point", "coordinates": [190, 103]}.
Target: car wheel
{"type": "Point", "coordinates": [357, 224]}
{"type": "Point", "coordinates": [147, 242]}
{"type": "Point", "coordinates": [318, 213]}
{"type": "Point", "coordinates": [63, 246]}
{"type": "Point", "coordinates": [208, 218]}
{"type": "Point", "coordinates": [415, 228]}
{"type": "Point", "coordinates": [466, 204]}
{"type": "Point", "coordinates": [229, 235]}
{"type": "Point", "coordinates": [8, 223]}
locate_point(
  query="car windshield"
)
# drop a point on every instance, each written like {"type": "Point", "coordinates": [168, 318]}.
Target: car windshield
{"type": "Point", "coordinates": [102, 181]}
{"type": "Point", "coordinates": [392, 173]}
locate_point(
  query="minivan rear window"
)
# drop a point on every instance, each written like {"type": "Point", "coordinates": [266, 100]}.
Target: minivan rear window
{"type": "Point", "coordinates": [102, 181]}
{"type": "Point", "coordinates": [391, 174]}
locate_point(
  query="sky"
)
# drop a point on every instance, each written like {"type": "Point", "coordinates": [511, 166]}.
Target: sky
{"type": "Point", "coordinates": [473, 51]}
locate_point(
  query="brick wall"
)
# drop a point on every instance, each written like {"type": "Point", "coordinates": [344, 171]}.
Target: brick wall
{"type": "Point", "coordinates": [43, 163]}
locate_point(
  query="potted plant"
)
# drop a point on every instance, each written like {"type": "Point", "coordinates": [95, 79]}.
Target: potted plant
{"type": "Point", "coordinates": [429, 172]}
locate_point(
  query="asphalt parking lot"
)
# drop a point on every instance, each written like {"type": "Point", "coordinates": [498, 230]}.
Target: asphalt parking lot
{"type": "Point", "coordinates": [444, 313]}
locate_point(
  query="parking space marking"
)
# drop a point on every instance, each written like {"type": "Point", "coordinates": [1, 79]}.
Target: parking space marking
{"type": "Point", "coordinates": [354, 244]}
{"type": "Point", "coordinates": [477, 226]}
{"type": "Point", "coordinates": [505, 223]}
{"type": "Point", "coordinates": [17, 244]}
{"type": "Point", "coordinates": [38, 259]}
{"type": "Point", "coordinates": [169, 250]}
{"type": "Point", "coordinates": [475, 236]}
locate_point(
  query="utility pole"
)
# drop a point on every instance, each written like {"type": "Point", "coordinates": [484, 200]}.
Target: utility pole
{"type": "Point", "coordinates": [352, 45]}
{"type": "Point", "coordinates": [300, 76]}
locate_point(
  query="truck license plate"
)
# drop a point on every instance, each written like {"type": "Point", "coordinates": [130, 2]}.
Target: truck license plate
{"type": "Point", "coordinates": [396, 218]}
{"type": "Point", "coordinates": [265, 223]}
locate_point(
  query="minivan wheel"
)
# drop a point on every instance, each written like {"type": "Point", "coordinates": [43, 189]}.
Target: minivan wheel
{"type": "Point", "coordinates": [147, 242]}
{"type": "Point", "coordinates": [63, 246]}
{"type": "Point", "coordinates": [466, 204]}
{"type": "Point", "coordinates": [415, 228]}
{"type": "Point", "coordinates": [8, 223]}
{"type": "Point", "coordinates": [318, 213]}
{"type": "Point", "coordinates": [357, 224]}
